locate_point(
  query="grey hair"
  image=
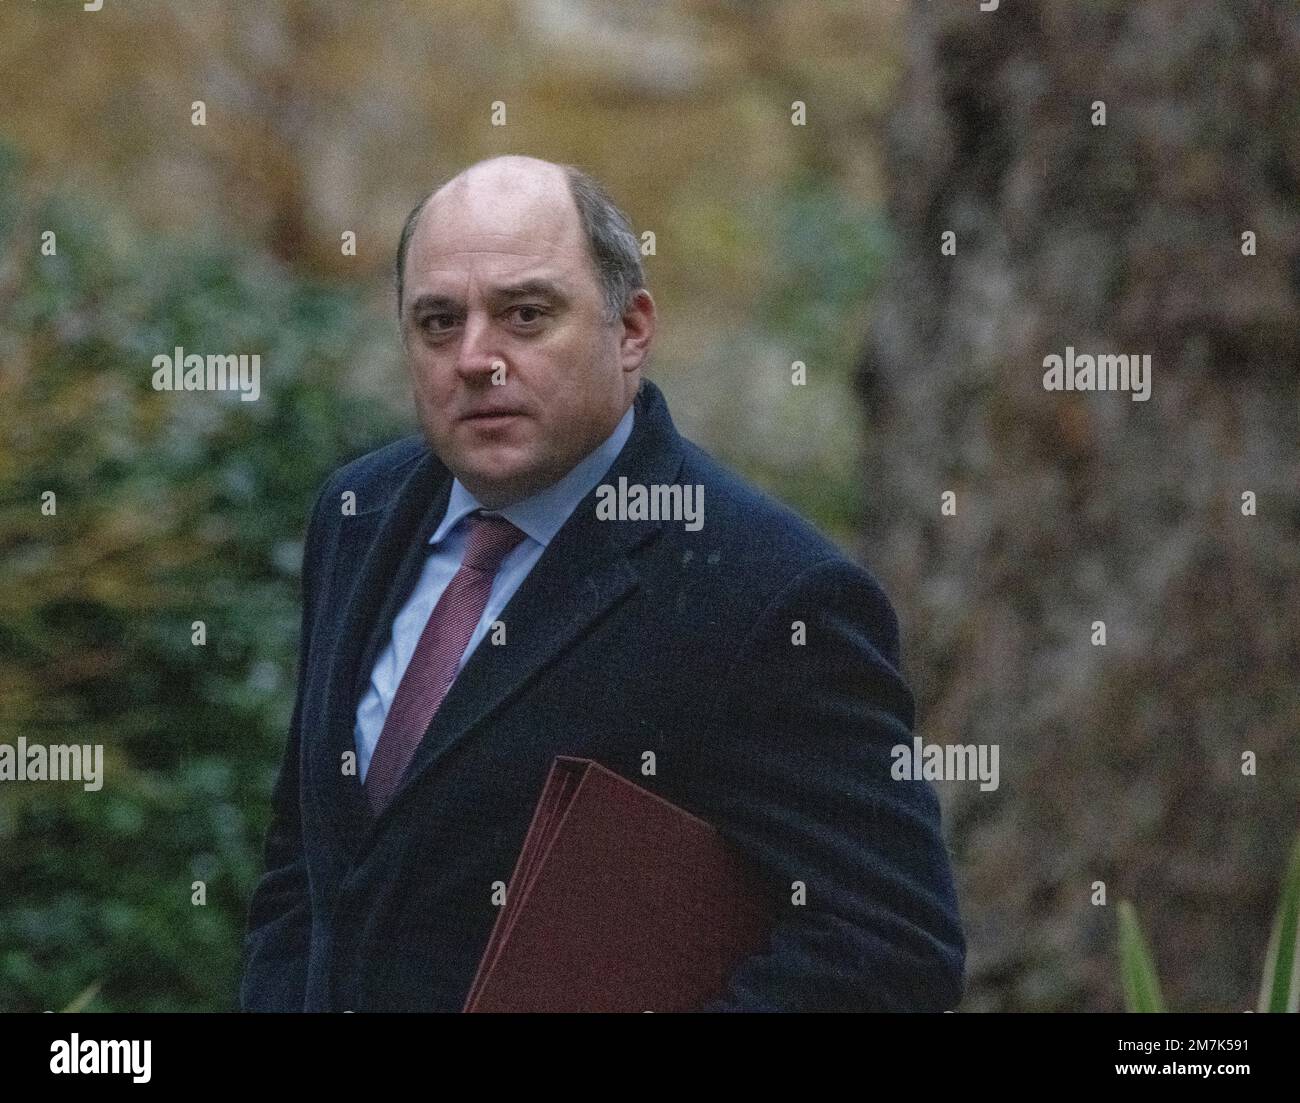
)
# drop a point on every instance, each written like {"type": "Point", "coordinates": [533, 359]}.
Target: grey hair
{"type": "Point", "coordinates": [611, 244]}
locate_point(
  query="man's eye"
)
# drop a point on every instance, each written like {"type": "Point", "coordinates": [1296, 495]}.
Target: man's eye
{"type": "Point", "coordinates": [535, 311]}
{"type": "Point", "coordinates": [430, 319]}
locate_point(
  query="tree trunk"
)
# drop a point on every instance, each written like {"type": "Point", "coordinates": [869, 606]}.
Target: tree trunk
{"type": "Point", "coordinates": [1120, 763]}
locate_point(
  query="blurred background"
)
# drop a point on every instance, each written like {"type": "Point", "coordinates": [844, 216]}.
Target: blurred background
{"type": "Point", "coordinates": [774, 243]}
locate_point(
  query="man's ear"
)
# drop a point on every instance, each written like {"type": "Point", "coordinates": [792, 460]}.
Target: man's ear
{"type": "Point", "coordinates": [639, 321]}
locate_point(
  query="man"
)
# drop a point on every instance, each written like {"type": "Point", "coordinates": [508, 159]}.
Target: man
{"type": "Point", "coordinates": [469, 612]}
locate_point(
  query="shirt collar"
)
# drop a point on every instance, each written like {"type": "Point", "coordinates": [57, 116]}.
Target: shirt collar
{"type": "Point", "coordinates": [541, 515]}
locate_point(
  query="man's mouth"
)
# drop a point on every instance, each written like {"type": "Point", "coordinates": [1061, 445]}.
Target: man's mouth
{"type": "Point", "coordinates": [493, 423]}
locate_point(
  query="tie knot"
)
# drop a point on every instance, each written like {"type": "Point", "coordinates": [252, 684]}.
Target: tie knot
{"type": "Point", "coordinates": [491, 539]}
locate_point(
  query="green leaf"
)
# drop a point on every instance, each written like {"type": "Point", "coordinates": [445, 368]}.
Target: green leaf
{"type": "Point", "coordinates": [1141, 985]}
{"type": "Point", "coordinates": [84, 997]}
{"type": "Point", "coordinates": [1280, 990]}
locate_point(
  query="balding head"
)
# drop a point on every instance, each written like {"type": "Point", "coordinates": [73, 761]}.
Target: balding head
{"type": "Point", "coordinates": [611, 245]}
{"type": "Point", "coordinates": [519, 289]}
{"type": "Point", "coordinates": [512, 171]}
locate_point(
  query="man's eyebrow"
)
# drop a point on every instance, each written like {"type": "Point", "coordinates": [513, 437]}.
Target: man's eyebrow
{"type": "Point", "coordinates": [532, 288]}
{"type": "Point", "coordinates": [541, 288]}
{"type": "Point", "coordinates": [433, 302]}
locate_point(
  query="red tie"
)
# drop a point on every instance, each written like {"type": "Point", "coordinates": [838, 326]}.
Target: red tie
{"type": "Point", "coordinates": [433, 664]}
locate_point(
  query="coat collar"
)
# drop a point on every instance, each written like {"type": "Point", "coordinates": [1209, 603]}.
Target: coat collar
{"type": "Point", "coordinates": [583, 572]}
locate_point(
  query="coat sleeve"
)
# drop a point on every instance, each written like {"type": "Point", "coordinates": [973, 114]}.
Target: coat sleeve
{"type": "Point", "coordinates": [795, 772]}
{"type": "Point", "coordinates": [277, 944]}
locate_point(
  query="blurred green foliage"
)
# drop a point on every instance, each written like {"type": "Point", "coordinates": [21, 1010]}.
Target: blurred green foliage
{"type": "Point", "coordinates": [171, 508]}
{"type": "Point", "coordinates": [801, 443]}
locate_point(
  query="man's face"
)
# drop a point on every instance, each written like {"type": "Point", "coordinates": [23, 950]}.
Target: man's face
{"type": "Point", "coordinates": [499, 286]}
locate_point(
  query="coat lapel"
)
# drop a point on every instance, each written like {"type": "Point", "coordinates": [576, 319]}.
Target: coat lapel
{"type": "Point", "coordinates": [388, 541]}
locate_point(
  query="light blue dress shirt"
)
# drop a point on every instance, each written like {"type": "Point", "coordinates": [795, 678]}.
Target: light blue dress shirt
{"type": "Point", "coordinates": [540, 517]}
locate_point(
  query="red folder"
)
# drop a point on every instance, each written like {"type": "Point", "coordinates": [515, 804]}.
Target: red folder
{"type": "Point", "coordinates": [619, 901]}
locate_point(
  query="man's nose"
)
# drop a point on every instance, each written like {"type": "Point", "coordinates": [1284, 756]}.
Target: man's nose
{"type": "Point", "coordinates": [479, 353]}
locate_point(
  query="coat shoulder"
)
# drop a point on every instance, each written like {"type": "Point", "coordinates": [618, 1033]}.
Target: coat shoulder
{"type": "Point", "coordinates": [377, 474]}
{"type": "Point", "coordinates": [739, 515]}
{"type": "Point", "coordinates": [759, 548]}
